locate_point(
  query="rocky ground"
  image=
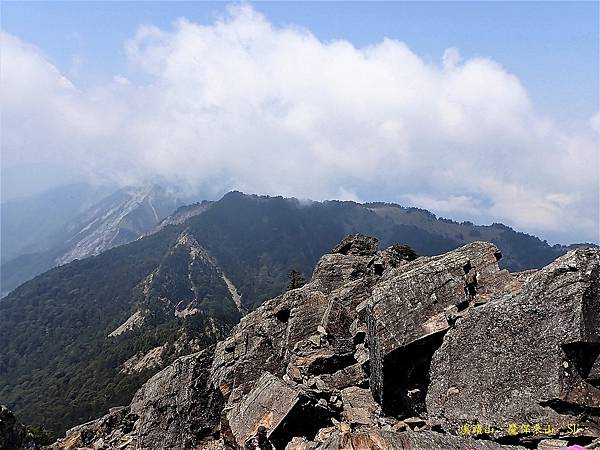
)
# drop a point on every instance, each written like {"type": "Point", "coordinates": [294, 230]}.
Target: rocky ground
{"type": "Point", "coordinates": [382, 350]}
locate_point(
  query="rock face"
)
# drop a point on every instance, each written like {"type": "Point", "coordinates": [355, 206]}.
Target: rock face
{"type": "Point", "coordinates": [410, 310]}
{"type": "Point", "coordinates": [528, 359]}
{"type": "Point", "coordinates": [13, 435]}
{"type": "Point", "coordinates": [384, 351]}
{"type": "Point", "coordinates": [175, 409]}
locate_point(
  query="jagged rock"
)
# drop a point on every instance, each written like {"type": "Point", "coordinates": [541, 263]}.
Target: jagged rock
{"type": "Point", "coordinates": [406, 317]}
{"type": "Point", "coordinates": [13, 435]}
{"type": "Point", "coordinates": [286, 411]}
{"type": "Point", "coordinates": [175, 409]}
{"type": "Point", "coordinates": [357, 244]}
{"type": "Point", "coordinates": [282, 333]}
{"type": "Point", "coordinates": [113, 431]}
{"type": "Point", "coordinates": [526, 359]}
{"type": "Point", "coordinates": [335, 270]}
{"type": "Point", "coordinates": [267, 404]}
{"type": "Point", "coordinates": [353, 375]}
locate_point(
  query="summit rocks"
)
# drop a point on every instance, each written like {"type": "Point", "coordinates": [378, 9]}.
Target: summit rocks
{"type": "Point", "coordinates": [383, 350]}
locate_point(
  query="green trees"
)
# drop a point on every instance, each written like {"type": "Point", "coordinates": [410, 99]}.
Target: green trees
{"type": "Point", "coordinates": [41, 436]}
{"type": "Point", "coordinates": [296, 280]}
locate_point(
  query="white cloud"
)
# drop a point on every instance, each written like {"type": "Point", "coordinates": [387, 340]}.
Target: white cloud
{"type": "Point", "coordinates": [451, 57]}
{"type": "Point", "coordinates": [242, 104]}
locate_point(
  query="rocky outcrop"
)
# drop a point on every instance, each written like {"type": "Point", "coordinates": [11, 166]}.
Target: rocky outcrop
{"type": "Point", "coordinates": [382, 351]}
{"type": "Point", "coordinates": [13, 435]}
{"type": "Point", "coordinates": [528, 359]}
{"type": "Point", "coordinates": [175, 409]}
{"type": "Point", "coordinates": [413, 306]}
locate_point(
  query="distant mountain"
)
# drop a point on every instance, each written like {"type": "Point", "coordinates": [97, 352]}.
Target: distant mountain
{"type": "Point", "coordinates": [114, 220]}
{"type": "Point", "coordinates": [182, 214]}
{"type": "Point", "coordinates": [82, 337]}
{"type": "Point", "coordinates": [30, 224]}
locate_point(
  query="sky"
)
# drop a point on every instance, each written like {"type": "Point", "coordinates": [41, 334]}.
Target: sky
{"type": "Point", "coordinates": [480, 111]}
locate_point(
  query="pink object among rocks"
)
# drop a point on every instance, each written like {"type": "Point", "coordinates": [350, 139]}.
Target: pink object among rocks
{"type": "Point", "coordinates": [575, 447]}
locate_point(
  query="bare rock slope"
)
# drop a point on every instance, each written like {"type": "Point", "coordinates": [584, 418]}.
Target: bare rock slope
{"type": "Point", "coordinates": [383, 350]}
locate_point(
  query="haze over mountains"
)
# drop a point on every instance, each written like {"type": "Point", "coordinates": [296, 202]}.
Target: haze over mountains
{"type": "Point", "coordinates": [73, 222]}
{"type": "Point", "coordinates": [83, 336]}
{"type": "Point", "coordinates": [78, 220]}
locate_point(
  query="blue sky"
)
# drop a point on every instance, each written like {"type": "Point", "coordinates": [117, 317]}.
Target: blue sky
{"type": "Point", "coordinates": [480, 111]}
{"type": "Point", "coordinates": [551, 46]}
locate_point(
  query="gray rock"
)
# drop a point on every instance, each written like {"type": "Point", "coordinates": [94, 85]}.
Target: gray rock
{"type": "Point", "coordinates": [407, 317]}
{"type": "Point", "coordinates": [359, 408]}
{"type": "Point", "coordinates": [175, 409]}
{"type": "Point", "coordinates": [527, 358]}
{"type": "Point", "coordinates": [357, 244]}
{"type": "Point", "coordinates": [267, 404]}
{"type": "Point", "coordinates": [353, 375]}
{"type": "Point", "coordinates": [115, 430]}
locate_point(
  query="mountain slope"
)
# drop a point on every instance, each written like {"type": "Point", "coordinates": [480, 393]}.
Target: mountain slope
{"type": "Point", "coordinates": [29, 224]}
{"type": "Point", "coordinates": [112, 320]}
{"type": "Point", "coordinates": [259, 239]}
{"type": "Point", "coordinates": [61, 362]}
{"type": "Point", "coordinates": [115, 220]}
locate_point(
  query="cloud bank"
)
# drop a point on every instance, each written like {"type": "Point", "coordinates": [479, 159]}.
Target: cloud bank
{"type": "Point", "coordinates": [243, 104]}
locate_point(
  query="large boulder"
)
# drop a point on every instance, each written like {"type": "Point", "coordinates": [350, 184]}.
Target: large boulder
{"type": "Point", "coordinates": [528, 359]}
{"type": "Point", "coordinates": [177, 407]}
{"type": "Point", "coordinates": [357, 244]}
{"type": "Point", "coordinates": [267, 404]}
{"type": "Point", "coordinates": [410, 309]}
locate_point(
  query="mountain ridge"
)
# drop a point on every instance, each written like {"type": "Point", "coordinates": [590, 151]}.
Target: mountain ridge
{"type": "Point", "coordinates": [116, 219]}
